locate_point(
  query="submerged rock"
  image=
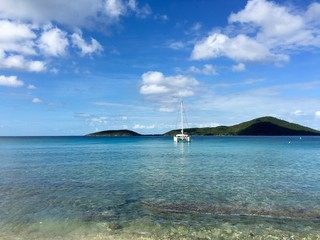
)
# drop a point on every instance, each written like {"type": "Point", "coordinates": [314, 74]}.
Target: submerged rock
{"type": "Point", "coordinates": [114, 226]}
{"type": "Point", "coordinates": [278, 212]}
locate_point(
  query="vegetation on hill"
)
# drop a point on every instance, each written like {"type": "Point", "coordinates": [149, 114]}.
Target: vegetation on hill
{"type": "Point", "coordinates": [115, 133]}
{"type": "Point", "coordinates": [264, 126]}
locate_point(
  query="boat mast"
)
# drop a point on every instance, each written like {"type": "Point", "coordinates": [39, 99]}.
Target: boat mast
{"type": "Point", "coordinates": [181, 113]}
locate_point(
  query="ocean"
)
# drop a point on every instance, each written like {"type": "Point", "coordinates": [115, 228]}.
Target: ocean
{"type": "Point", "coordinates": [152, 188]}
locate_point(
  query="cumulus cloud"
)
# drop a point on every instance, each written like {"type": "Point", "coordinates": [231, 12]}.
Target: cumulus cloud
{"type": "Point", "coordinates": [115, 8]}
{"type": "Point", "coordinates": [317, 114]}
{"type": "Point", "coordinates": [166, 91]}
{"type": "Point", "coordinates": [274, 31]}
{"type": "Point", "coordinates": [207, 69]}
{"type": "Point", "coordinates": [29, 33]}
{"type": "Point", "coordinates": [273, 19]}
{"type": "Point", "coordinates": [313, 13]}
{"type": "Point", "coordinates": [73, 13]}
{"type": "Point", "coordinates": [240, 67]}
{"type": "Point", "coordinates": [239, 48]}
{"type": "Point", "coordinates": [53, 42]}
{"type": "Point", "coordinates": [86, 48]}
{"type": "Point", "coordinates": [10, 81]}
{"type": "Point", "coordinates": [17, 45]}
{"type": "Point", "coordinates": [279, 25]}
{"type": "Point", "coordinates": [17, 37]}
{"type": "Point", "coordinates": [18, 62]}
{"type": "Point", "coordinates": [141, 12]}
{"type": "Point", "coordinates": [22, 45]}
{"type": "Point", "coordinates": [155, 83]}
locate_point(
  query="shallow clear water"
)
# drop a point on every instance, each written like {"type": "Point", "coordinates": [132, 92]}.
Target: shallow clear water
{"type": "Point", "coordinates": [153, 188]}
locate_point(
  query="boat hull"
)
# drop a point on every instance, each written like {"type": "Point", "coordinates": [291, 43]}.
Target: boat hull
{"type": "Point", "coordinates": [181, 138]}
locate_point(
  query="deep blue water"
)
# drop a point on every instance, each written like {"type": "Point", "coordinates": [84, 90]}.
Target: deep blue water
{"type": "Point", "coordinates": [153, 188]}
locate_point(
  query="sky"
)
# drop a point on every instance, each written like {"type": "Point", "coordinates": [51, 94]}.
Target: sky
{"type": "Point", "coordinates": [76, 67]}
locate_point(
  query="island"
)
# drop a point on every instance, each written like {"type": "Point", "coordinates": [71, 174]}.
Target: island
{"type": "Point", "coordinates": [115, 133]}
{"type": "Point", "coordinates": [264, 126]}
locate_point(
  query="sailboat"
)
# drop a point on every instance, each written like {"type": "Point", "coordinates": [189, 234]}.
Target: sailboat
{"type": "Point", "coordinates": [181, 137]}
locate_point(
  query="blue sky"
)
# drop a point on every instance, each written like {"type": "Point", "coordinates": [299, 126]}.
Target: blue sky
{"type": "Point", "coordinates": [71, 68]}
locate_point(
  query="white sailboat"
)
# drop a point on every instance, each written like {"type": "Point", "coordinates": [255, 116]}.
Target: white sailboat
{"type": "Point", "coordinates": [181, 137]}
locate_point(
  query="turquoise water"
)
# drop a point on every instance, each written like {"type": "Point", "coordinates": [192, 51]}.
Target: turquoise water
{"type": "Point", "coordinates": [153, 188]}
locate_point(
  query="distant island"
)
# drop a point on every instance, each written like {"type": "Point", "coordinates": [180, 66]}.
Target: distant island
{"type": "Point", "coordinates": [115, 133]}
{"type": "Point", "coordinates": [264, 126]}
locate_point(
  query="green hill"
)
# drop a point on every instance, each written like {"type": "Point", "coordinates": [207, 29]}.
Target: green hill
{"type": "Point", "coordinates": [264, 126]}
{"type": "Point", "coordinates": [115, 133]}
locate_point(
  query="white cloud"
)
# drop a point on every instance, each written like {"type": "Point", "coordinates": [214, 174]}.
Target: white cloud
{"type": "Point", "coordinates": [298, 113]}
{"type": "Point", "coordinates": [141, 12]}
{"type": "Point", "coordinates": [78, 13]}
{"type": "Point", "coordinates": [240, 67]}
{"type": "Point", "coordinates": [153, 89]}
{"type": "Point", "coordinates": [163, 18]}
{"type": "Point", "coordinates": [313, 13]}
{"type": "Point", "coordinates": [18, 62]}
{"type": "Point", "coordinates": [86, 48]}
{"type": "Point", "coordinates": [140, 126]}
{"type": "Point", "coordinates": [115, 8]}
{"type": "Point", "coordinates": [268, 32]}
{"type": "Point", "coordinates": [273, 19]}
{"type": "Point", "coordinates": [17, 37]}
{"type": "Point", "coordinates": [207, 69]}
{"type": "Point", "coordinates": [35, 66]}
{"type": "Point", "coordinates": [196, 27]}
{"type": "Point", "coordinates": [280, 26]}
{"type": "Point", "coordinates": [53, 42]}
{"type": "Point", "coordinates": [176, 45]}
{"type": "Point", "coordinates": [203, 125]}
{"type": "Point", "coordinates": [113, 122]}
{"type": "Point", "coordinates": [99, 120]}
{"type": "Point", "coordinates": [36, 100]}
{"type": "Point", "coordinates": [240, 48]}
{"type": "Point", "coordinates": [317, 114]}
{"type": "Point", "coordinates": [65, 12]}
{"type": "Point", "coordinates": [166, 109]}
{"type": "Point", "coordinates": [155, 83]}
{"type": "Point", "coordinates": [11, 81]}
{"type": "Point", "coordinates": [31, 87]}
{"type": "Point", "coordinates": [28, 36]}
{"type": "Point", "coordinates": [13, 31]}
{"type": "Point", "coordinates": [17, 45]}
